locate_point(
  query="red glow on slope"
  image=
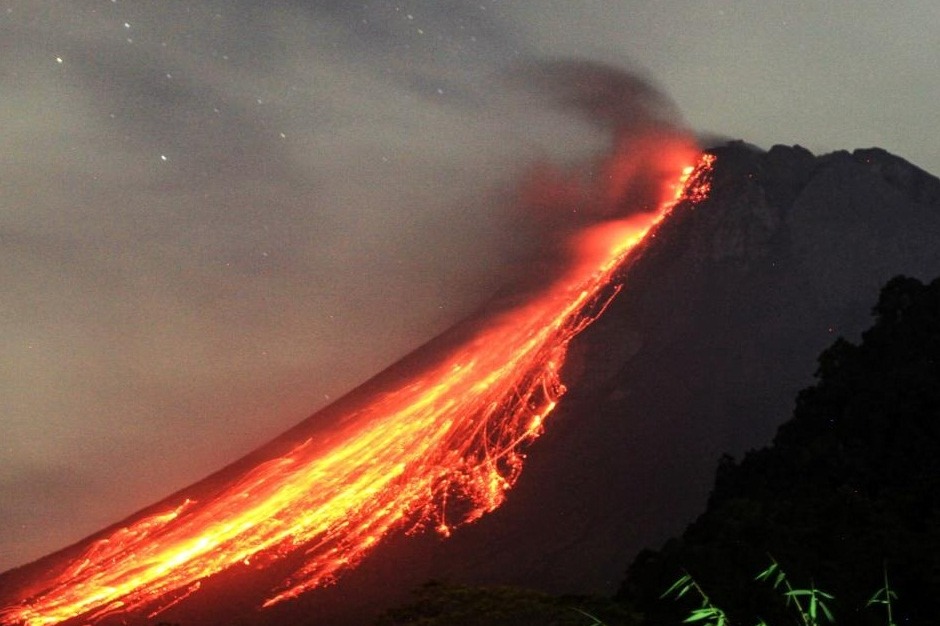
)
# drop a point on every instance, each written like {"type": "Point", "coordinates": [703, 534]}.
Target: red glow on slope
{"type": "Point", "coordinates": [439, 451]}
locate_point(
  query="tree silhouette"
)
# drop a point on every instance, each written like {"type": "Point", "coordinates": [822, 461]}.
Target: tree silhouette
{"type": "Point", "coordinates": [850, 483]}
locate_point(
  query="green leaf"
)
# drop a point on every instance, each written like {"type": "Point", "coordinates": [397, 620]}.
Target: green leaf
{"type": "Point", "coordinates": [816, 603]}
{"type": "Point", "coordinates": [699, 614]}
{"type": "Point", "coordinates": [684, 580]}
{"type": "Point", "coordinates": [767, 573]}
{"type": "Point", "coordinates": [596, 622]}
{"type": "Point", "coordinates": [706, 613]}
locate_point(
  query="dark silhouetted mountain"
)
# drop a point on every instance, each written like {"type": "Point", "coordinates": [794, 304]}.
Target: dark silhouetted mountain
{"type": "Point", "coordinates": [437, 604]}
{"type": "Point", "coordinates": [850, 486]}
{"type": "Point", "coordinates": [722, 313]}
{"type": "Point", "coordinates": [721, 317]}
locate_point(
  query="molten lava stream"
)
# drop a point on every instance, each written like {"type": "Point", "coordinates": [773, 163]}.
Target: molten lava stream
{"type": "Point", "coordinates": [450, 434]}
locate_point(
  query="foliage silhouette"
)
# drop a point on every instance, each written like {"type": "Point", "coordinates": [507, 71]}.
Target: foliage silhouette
{"type": "Point", "coordinates": [850, 483]}
{"type": "Point", "coordinates": [440, 604]}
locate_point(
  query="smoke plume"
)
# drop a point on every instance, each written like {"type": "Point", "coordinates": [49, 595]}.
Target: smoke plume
{"type": "Point", "coordinates": [645, 146]}
{"type": "Point", "coordinates": [218, 216]}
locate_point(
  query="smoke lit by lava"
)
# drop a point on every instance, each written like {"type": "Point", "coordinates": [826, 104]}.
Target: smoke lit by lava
{"type": "Point", "coordinates": [437, 448]}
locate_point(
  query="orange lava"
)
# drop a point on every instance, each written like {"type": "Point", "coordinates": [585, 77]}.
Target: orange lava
{"type": "Point", "coordinates": [439, 451]}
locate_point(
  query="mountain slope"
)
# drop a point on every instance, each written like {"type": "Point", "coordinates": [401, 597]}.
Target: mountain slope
{"type": "Point", "coordinates": [715, 331]}
{"type": "Point", "coordinates": [722, 314]}
{"type": "Point", "coordinates": [699, 354]}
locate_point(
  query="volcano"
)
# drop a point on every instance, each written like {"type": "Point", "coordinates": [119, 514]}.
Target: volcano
{"type": "Point", "coordinates": [699, 340]}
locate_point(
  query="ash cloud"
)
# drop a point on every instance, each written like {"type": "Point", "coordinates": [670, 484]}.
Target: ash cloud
{"type": "Point", "coordinates": [605, 95]}
{"type": "Point", "coordinates": [219, 216]}
{"type": "Point", "coordinates": [646, 145]}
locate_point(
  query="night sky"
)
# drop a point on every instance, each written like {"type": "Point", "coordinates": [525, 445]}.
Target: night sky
{"type": "Point", "coordinates": [217, 216]}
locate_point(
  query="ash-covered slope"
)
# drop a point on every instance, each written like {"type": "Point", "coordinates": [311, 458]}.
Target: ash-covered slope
{"type": "Point", "coordinates": [701, 353]}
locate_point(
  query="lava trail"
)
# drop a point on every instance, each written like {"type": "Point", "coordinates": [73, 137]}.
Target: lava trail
{"type": "Point", "coordinates": [438, 450]}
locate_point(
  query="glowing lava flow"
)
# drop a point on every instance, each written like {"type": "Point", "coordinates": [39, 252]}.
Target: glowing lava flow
{"type": "Point", "coordinates": [439, 450]}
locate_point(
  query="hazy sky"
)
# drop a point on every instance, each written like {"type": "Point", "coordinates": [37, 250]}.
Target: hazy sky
{"type": "Point", "coordinates": [215, 216]}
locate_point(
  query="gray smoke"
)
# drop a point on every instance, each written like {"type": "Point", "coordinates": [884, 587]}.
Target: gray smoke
{"type": "Point", "coordinates": [644, 136]}
{"type": "Point", "coordinates": [605, 95]}
{"type": "Point", "coordinates": [218, 216]}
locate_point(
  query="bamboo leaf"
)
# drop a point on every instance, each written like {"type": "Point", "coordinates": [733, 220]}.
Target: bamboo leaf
{"type": "Point", "coordinates": [699, 614]}
{"type": "Point", "coordinates": [596, 620]}
{"type": "Point", "coordinates": [767, 573]}
{"type": "Point", "coordinates": [684, 580]}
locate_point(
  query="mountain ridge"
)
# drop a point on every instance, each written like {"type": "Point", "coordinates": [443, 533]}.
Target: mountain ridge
{"type": "Point", "coordinates": [700, 354]}
{"type": "Point", "coordinates": [716, 328]}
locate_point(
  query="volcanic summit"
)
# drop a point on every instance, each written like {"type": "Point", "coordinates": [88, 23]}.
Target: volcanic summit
{"type": "Point", "coordinates": [700, 341]}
